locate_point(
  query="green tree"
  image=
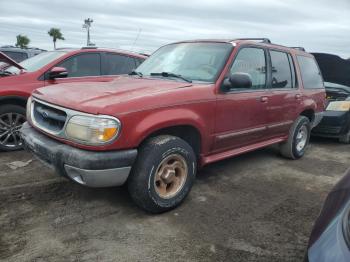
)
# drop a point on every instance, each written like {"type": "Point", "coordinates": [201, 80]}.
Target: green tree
{"type": "Point", "coordinates": [22, 41]}
{"type": "Point", "coordinates": [56, 34]}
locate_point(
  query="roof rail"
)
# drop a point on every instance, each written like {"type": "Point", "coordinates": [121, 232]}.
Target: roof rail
{"type": "Point", "coordinates": [89, 47]}
{"type": "Point", "coordinates": [263, 40]}
{"type": "Point", "coordinates": [298, 48]}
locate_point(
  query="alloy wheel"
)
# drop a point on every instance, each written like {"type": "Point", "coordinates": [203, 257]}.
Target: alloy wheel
{"type": "Point", "coordinates": [10, 124]}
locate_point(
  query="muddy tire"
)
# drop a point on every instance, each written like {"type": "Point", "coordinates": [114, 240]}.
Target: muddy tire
{"type": "Point", "coordinates": [345, 139]}
{"type": "Point", "coordinates": [163, 174]}
{"type": "Point", "coordinates": [11, 119]}
{"type": "Point", "coordinates": [298, 139]}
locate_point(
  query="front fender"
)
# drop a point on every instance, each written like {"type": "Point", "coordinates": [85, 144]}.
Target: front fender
{"type": "Point", "coordinates": [140, 125]}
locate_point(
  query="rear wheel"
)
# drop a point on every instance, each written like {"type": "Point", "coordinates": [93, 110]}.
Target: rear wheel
{"type": "Point", "coordinates": [299, 136]}
{"type": "Point", "coordinates": [12, 118]}
{"type": "Point", "coordinates": [163, 174]}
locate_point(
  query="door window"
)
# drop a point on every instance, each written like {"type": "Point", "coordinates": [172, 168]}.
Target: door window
{"type": "Point", "coordinates": [88, 64]}
{"type": "Point", "coordinates": [118, 64]}
{"type": "Point", "coordinates": [252, 62]}
{"type": "Point", "coordinates": [281, 70]}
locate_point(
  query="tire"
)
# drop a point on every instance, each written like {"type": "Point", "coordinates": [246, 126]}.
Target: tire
{"type": "Point", "coordinates": [11, 119]}
{"type": "Point", "coordinates": [293, 148]}
{"type": "Point", "coordinates": [345, 139]}
{"type": "Point", "coordinates": [146, 185]}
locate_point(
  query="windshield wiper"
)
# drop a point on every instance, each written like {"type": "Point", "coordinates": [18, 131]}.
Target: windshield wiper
{"type": "Point", "coordinates": [167, 74]}
{"type": "Point", "coordinates": [135, 73]}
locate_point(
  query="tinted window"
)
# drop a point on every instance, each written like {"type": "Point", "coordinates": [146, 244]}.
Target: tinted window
{"type": "Point", "coordinates": [281, 70]}
{"type": "Point", "coordinates": [251, 61]}
{"type": "Point", "coordinates": [118, 64]}
{"type": "Point", "coordinates": [17, 56]}
{"type": "Point", "coordinates": [310, 73]}
{"type": "Point", "coordinates": [88, 64]}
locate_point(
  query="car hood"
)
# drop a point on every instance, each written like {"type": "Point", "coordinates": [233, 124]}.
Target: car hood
{"type": "Point", "coordinates": [7, 60]}
{"type": "Point", "coordinates": [95, 98]}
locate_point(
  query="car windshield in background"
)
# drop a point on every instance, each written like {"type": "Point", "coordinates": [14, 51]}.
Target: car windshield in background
{"type": "Point", "coordinates": [36, 62]}
{"type": "Point", "coordinates": [193, 61]}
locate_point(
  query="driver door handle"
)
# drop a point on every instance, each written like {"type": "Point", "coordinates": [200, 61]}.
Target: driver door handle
{"type": "Point", "coordinates": [264, 99]}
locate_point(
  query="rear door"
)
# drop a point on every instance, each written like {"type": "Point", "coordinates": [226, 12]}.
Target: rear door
{"type": "Point", "coordinates": [242, 113]}
{"type": "Point", "coordinates": [117, 64]}
{"type": "Point", "coordinates": [284, 95]}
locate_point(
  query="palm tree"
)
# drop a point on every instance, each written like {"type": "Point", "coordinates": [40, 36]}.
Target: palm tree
{"type": "Point", "coordinates": [22, 41]}
{"type": "Point", "coordinates": [55, 33]}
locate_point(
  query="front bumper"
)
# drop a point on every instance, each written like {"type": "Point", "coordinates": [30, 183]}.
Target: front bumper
{"type": "Point", "coordinates": [333, 124]}
{"type": "Point", "coordinates": [89, 168]}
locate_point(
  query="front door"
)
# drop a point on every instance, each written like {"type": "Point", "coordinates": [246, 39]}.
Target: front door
{"type": "Point", "coordinates": [242, 112]}
{"type": "Point", "coordinates": [84, 67]}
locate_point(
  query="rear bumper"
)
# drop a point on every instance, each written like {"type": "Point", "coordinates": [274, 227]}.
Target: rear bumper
{"type": "Point", "coordinates": [89, 168]}
{"type": "Point", "coordinates": [333, 124]}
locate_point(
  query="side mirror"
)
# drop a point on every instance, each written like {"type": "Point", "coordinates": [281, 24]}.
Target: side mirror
{"type": "Point", "coordinates": [57, 72]}
{"type": "Point", "coordinates": [237, 80]}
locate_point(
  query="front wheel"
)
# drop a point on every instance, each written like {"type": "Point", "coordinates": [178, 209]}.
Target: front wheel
{"type": "Point", "coordinates": [11, 119]}
{"type": "Point", "coordinates": [163, 174]}
{"type": "Point", "coordinates": [298, 139]}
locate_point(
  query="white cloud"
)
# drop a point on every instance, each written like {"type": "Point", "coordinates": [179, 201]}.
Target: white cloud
{"type": "Point", "coordinates": [318, 25]}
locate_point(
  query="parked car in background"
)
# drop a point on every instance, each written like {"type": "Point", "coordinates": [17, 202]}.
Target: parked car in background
{"type": "Point", "coordinates": [19, 54]}
{"type": "Point", "coordinates": [330, 237]}
{"type": "Point", "coordinates": [51, 68]}
{"type": "Point", "coordinates": [336, 120]}
{"type": "Point", "coordinates": [190, 104]}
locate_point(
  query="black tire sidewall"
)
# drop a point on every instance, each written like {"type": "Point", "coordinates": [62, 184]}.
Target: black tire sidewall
{"type": "Point", "coordinates": [141, 181]}
{"type": "Point", "coordinates": [303, 121]}
{"type": "Point", "coordinates": [174, 201]}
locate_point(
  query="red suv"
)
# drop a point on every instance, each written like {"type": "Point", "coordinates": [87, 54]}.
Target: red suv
{"type": "Point", "coordinates": [50, 68]}
{"type": "Point", "coordinates": [190, 104]}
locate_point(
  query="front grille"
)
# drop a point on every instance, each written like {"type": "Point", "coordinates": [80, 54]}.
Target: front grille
{"type": "Point", "coordinates": [48, 118]}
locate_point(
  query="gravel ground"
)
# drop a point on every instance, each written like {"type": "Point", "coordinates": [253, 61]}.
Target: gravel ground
{"type": "Point", "coordinates": [255, 207]}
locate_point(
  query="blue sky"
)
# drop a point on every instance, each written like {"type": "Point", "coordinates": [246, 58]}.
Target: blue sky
{"type": "Point", "coordinates": [318, 25]}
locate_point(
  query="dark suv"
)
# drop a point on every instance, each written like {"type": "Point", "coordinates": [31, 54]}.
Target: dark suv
{"type": "Point", "coordinates": [18, 80]}
{"type": "Point", "coordinates": [19, 54]}
{"type": "Point", "coordinates": [190, 104]}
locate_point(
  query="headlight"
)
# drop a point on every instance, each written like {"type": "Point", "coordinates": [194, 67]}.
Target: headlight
{"type": "Point", "coordinates": [92, 130]}
{"type": "Point", "coordinates": [29, 108]}
{"type": "Point", "coordinates": [339, 106]}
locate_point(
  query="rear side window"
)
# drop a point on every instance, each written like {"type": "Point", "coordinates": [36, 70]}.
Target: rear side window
{"type": "Point", "coordinates": [281, 70]}
{"type": "Point", "coordinates": [251, 61]}
{"type": "Point", "coordinates": [88, 64]}
{"type": "Point", "coordinates": [118, 64]}
{"type": "Point", "coordinates": [310, 73]}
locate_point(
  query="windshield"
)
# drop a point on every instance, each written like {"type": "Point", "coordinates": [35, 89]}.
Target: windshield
{"type": "Point", "coordinates": [193, 61]}
{"type": "Point", "coordinates": [36, 62]}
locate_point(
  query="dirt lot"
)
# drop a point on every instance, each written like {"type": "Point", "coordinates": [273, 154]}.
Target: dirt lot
{"type": "Point", "coordinates": [256, 207]}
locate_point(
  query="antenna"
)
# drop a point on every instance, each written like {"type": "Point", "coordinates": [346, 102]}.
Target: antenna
{"type": "Point", "coordinates": [137, 38]}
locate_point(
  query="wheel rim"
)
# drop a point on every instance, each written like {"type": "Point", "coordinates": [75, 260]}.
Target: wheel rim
{"type": "Point", "coordinates": [301, 139]}
{"type": "Point", "coordinates": [171, 175]}
{"type": "Point", "coordinates": [10, 124]}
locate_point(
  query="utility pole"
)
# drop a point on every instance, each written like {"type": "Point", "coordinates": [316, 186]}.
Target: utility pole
{"type": "Point", "coordinates": [87, 25]}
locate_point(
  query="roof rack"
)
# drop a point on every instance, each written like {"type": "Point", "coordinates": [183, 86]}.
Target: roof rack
{"type": "Point", "coordinates": [263, 40]}
{"type": "Point", "coordinates": [298, 48]}
{"type": "Point", "coordinates": [89, 47]}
